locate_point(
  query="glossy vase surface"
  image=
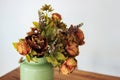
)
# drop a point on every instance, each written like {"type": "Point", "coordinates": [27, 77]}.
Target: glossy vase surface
{"type": "Point", "coordinates": [42, 70]}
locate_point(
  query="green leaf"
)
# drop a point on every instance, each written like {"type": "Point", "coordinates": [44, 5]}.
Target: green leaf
{"type": "Point", "coordinates": [36, 24]}
{"type": "Point", "coordinates": [14, 44]}
{"type": "Point", "coordinates": [52, 60]}
{"type": "Point", "coordinates": [33, 52]}
{"type": "Point", "coordinates": [43, 33]}
{"type": "Point", "coordinates": [49, 25]}
{"type": "Point", "coordinates": [49, 59]}
{"type": "Point", "coordinates": [28, 57]}
{"type": "Point", "coordinates": [35, 59]}
{"type": "Point", "coordinates": [60, 56]}
{"type": "Point", "coordinates": [51, 32]}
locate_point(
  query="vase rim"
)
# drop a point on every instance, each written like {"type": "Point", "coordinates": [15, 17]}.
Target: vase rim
{"type": "Point", "coordinates": [40, 60]}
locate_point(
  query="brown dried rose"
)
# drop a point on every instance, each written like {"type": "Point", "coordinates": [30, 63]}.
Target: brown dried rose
{"type": "Point", "coordinates": [68, 66]}
{"type": "Point", "coordinates": [37, 42]}
{"type": "Point", "coordinates": [56, 16]}
{"type": "Point", "coordinates": [78, 33]}
{"type": "Point", "coordinates": [22, 47]}
{"type": "Point", "coordinates": [72, 49]}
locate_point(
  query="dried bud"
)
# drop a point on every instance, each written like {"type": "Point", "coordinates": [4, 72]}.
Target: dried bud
{"type": "Point", "coordinates": [68, 66]}
{"type": "Point", "coordinates": [22, 47]}
{"type": "Point", "coordinates": [56, 16]}
{"type": "Point", "coordinates": [72, 49]}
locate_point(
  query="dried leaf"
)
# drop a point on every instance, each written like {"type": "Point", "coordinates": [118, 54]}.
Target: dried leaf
{"type": "Point", "coordinates": [52, 60]}
{"type": "Point", "coordinates": [14, 44]}
{"type": "Point", "coordinates": [28, 57]}
{"type": "Point", "coordinates": [60, 56]}
{"type": "Point", "coordinates": [36, 24]}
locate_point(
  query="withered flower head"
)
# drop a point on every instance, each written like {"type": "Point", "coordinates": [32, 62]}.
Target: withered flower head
{"type": "Point", "coordinates": [47, 8]}
{"type": "Point", "coordinates": [72, 49]}
{"type": "Point", "coordinates": [56, 16]}
{"type": "Point", "coordinates": [78, 33]}
{"type": "Point", "coordinates": [22, 47]}
{"type": "Point", "coordinates": [37, 42]}
{"type": "Point", "coordinates": [68, 66]}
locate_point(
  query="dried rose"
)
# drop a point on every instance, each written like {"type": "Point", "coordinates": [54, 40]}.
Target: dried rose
{"type": "Point", "coordinates": [71, 62]}
{"type": "Point", "coordinates": [37, 42]}
{"type": "Point", "coordinates": [56, 16]}
{"type": "Point", "coordinates": [64, 69]}
{"type": "Point", "coordinates": [22, 47]}
{"type": "Point", "coordinates": [78, 33]}
{"type": "Point", "coordinates": [68, 66]}
{"type": "Point", "coordinates": [72, 49]}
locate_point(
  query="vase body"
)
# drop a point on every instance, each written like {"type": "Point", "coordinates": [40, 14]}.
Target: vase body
{"type": "Point", "coordinates": [42, 70]}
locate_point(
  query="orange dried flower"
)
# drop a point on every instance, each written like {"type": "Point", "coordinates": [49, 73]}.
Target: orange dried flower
{"type": "Point", "coordinates": [22, 47]}
{"type": "Point", "coordinates": [56, 16]}
{"type": "Point", "coordinates": [72, 49]}
{"type": "Point", "coordinates": [68, 66]}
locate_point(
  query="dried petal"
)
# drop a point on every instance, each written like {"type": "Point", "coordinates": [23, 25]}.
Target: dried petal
{"type": "Point", "coordinates": [64, 69]}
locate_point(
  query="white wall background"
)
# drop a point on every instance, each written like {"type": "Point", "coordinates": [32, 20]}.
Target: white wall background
{"type": "Point", "coordinates": [101, 18]}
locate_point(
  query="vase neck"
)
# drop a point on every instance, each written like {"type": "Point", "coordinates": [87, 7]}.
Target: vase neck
{"type": "Point", "coordinates": [41, 60]}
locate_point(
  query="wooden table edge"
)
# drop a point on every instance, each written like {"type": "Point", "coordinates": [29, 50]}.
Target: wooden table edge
{"type": "Point", "coordinates": [76, 75]}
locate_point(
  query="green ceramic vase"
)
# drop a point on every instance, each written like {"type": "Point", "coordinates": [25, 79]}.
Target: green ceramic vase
{"type": "Point", "coordinates": [42, 70]}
